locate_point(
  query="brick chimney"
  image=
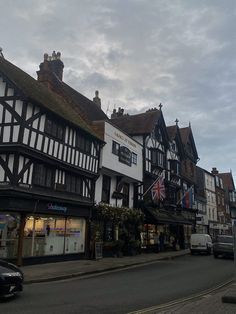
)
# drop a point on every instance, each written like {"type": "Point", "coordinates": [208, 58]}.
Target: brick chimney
{"type": "Point", "coordinates": [96, 99]}
{"type": "Point", "coordinates": [214, 171]}
{"type": "Point", "coordinates": [51, 66]}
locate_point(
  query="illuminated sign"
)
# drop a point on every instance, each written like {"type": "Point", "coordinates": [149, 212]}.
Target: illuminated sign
{"type": "Point", "coordinates": [56, 207]}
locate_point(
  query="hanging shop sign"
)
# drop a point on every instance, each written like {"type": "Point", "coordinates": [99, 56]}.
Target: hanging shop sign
{"type": "Point", "coordinates": [125, 155]}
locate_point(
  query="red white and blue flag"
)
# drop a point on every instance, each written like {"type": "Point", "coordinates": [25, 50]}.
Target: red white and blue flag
{"type": "Point", "coordinates": [187, 199]}
{"type": "Point", "coordinates": [158, 189]}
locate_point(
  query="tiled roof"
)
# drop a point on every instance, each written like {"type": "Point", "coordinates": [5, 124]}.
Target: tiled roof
{"type": "Point", "coordinates": [228, 181]}
{"type": "Point", "coordinates": [184, 132]}
{"type": "Point", "coordinates": [35, 91]}
{"type": "Point", "coordinates": [88, 109]}
{"type": "Point", "coordinates": [171, 130]}
{"type": "Point", "coordinates": [142, 123]}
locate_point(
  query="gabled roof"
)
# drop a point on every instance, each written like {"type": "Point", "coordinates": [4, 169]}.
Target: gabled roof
{"type": "Point", "coordinates": [187, 137]}
{"type": "Point", "coordinates": [172, 130]}
{"type": "Point", "coordinates": [37, 92]}
{"type": "Point", "coordinates": [228, 181]}
{"type": "Point", "coordinates": [138, 124]}
{"type": "Point", "coordinates": [174, 134]}
{"type": "Point", "coordinates": [184, 132]}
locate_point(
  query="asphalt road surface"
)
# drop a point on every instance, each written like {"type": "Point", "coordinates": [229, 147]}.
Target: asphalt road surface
{"type": "Point", "coordinates": [123, 291]}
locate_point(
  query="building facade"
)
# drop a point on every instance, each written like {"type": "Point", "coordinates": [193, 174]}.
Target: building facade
{"type": "Point", "coordinates": [49, 163]}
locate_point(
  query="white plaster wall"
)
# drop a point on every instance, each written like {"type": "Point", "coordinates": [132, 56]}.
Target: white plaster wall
{"type": "Point", "coordinates": [113, 201]}
{"type": "Point", "coordinates": [111, 161]}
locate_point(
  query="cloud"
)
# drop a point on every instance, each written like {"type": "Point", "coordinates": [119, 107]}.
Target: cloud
{"type": "Point", "coordinates": [139, 53]}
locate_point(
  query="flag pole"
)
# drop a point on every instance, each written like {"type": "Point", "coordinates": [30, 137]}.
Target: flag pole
{"type": "Point", "coordinates": [152, 184]}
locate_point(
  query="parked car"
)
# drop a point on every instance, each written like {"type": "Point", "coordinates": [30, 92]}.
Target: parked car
{"type": "Point", "coordinates": [11, 279]}
{"type": "Point", "coordinates": [200, 243]}
{"type": "Point", "coordinates": [224, 246]}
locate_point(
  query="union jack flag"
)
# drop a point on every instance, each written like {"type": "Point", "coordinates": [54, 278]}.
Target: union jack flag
{"type": "Point", "coordinates": [158, 190]}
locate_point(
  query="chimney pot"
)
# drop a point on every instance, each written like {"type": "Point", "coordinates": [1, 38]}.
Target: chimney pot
{"type": "Point", "coordinates": [96, 99]}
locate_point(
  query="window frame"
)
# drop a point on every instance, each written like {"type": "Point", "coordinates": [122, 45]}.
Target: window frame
{"type": "Point", "coordinates": [43, 176]}
{"type": "Point", "coordinates": [115, 148]}
{"type": "Point", "coordinates": [54, 129]}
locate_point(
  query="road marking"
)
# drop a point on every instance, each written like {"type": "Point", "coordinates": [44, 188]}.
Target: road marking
{"type": "Point", "coordinates": [182, 300]}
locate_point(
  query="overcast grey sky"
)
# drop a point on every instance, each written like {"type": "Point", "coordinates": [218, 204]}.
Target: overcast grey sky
{"type": "Point", "coordinates": [139, 53]}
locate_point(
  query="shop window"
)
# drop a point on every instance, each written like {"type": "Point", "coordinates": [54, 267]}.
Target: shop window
{"type": "Point", "coordinates": [108, 232]}
{"type": "Point", "coordinates": [46, 235]}
{"type": "Point", "coordinates": [125, 195]}
{"type": "Point", "coordinates": [43, 176]}
{"type": "Point", "coordinates": [54, 129]}
{"type": "Point", "coordinates": [74, 184]}
{"type": "Point", "coordinates": [115, 148]}
{"type": "Point", "coordinates": [9, 233]}
{"type": "Point", "coordinates": [106, 185]}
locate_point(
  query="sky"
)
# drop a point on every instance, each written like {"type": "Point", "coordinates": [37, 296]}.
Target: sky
{"type": "Point", "coordinates": [138, 54]}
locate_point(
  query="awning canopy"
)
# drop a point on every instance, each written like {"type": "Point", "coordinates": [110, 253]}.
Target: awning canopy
{"type": "Point", "coordinates": [161, 216]}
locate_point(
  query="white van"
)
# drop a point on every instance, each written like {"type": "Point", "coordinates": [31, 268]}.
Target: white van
{"type": "Point", "coordinates": [200, 243]}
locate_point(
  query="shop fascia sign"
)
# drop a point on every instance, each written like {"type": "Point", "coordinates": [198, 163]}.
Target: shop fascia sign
{"type": "Point", "coordinates": [56, 207]}
{"type": "Point", "coordinates": [125, 155]}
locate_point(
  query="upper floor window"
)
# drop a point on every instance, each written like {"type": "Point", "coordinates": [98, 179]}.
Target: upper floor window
{"type": "Point", "coordinates": [54, 129]}
{"type": "Point", "coordinates": [74, 184]}
{"type": "Point", "coordinates": [157, 158]}
{"type": "Point", "coordinates": [157, 133]}
{"type": "Point", "coordinates": [83, 143]}
{"type": "Point", "coordinates": [43, 176]}
{"type": "Point", "coordinates": [134, 158]}
{"type": "Point", "coordinates": [115, 148]}
{"type": "Point", "coordinates": [174, 166]}
{"type": "Point", "coordinates": [173, 146]}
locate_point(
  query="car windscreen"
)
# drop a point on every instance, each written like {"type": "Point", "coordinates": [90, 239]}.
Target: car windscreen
{"type": "Point", "coordinates": [225, 239]}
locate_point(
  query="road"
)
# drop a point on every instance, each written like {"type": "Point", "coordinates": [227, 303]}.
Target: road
{"type": "Point", "coordinates": [123, 291]}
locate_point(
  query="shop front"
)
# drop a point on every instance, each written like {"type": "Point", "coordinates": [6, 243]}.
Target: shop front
{"type": "Point", "coordinates": [49, 229]}
{"type": "Point", "coordinates": [164, 230]}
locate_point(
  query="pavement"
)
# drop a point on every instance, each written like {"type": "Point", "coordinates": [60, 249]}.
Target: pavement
{"type": "Point", "coordinates": [220, 301]}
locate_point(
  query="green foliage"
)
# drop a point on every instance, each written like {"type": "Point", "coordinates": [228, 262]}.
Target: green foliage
{"type": "Point", "coordinates": [118, 215]}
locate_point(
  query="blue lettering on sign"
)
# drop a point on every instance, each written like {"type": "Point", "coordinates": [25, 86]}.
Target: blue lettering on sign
{"type": "Point", "coordinates": [56, 207]}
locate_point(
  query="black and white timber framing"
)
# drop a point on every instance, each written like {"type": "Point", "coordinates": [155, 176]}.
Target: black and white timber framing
{"type": "Point", "coordinates": [49, 154]}
{"type": "Point", "coordinates": [23, 140]}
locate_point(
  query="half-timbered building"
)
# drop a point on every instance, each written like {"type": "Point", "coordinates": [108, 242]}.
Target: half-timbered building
{"type": "Point", "coordinates": [162, 155]}
{"type": "Point", "coordinates": [189, 179]}
{"type": "Point", "coordinates": [49, 162]}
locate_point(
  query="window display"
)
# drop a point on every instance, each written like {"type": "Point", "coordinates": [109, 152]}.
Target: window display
{"type": "Point", "coordinates": [9, 229]}
{"type": "Point", "coordinates": [53, 236]}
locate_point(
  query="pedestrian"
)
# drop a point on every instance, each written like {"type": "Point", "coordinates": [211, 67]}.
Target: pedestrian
{"type": "Point", "coordinates": [161, 241]}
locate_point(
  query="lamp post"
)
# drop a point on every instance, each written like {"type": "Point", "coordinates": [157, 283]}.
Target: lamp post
{"type": "Point", "coordinates": [233, 216]}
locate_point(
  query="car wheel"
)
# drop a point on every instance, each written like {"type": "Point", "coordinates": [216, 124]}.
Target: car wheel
{"type": "Point", "coordinates": [215, 255]}
{"type": "Point", "coordinates": [192, 253]}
